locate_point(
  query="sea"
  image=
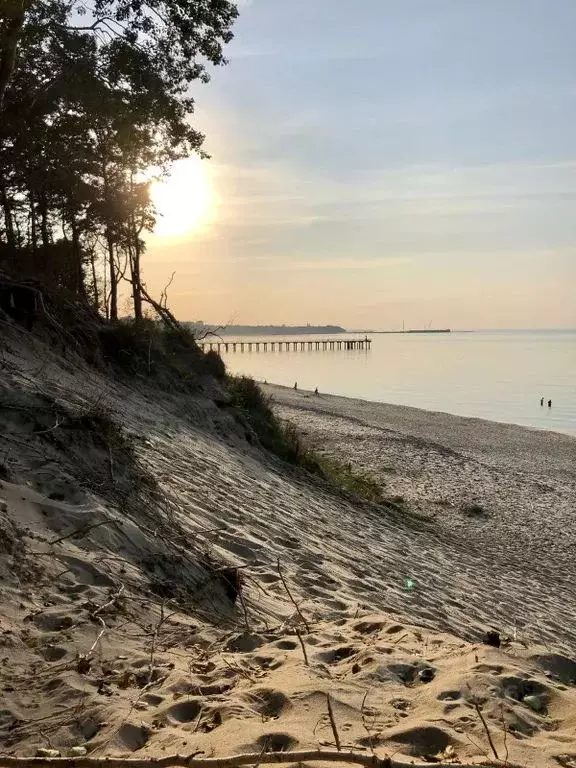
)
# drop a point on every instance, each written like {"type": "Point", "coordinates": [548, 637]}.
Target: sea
{"type": "Point", "coordinates": [496, 375]}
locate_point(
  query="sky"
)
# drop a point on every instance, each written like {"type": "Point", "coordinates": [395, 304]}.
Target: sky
{"type": "Point", "coordinates": [375, 162]}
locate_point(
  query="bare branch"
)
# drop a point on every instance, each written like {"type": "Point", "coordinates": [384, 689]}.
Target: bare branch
{"type": "Point", "coordinates": [230, 761]}
{"type": "Point", "coordinates": [164, 293]}
{"type": "Point", "coordinates": [333, 723]}
{"type": "Point", "coordinates": [485, 724]}
{"type": "Point", "coordinates": [286, 587]}
{"type": "Point", "coordinates": [82, 531]}
{"type": "Point", "coordinates": [303, 647]}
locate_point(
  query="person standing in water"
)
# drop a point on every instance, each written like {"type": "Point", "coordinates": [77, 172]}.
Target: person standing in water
{"type": "Point", "coordinates": [549, 403]}
{"type": "Point", "coordinates": [541, 401]}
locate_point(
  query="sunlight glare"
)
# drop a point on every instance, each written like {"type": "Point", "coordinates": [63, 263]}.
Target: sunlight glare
{"type": "Point", "coordinates": [184, 199]}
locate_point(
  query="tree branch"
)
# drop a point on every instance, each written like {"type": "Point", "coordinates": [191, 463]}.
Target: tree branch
{"type": "Point", "coordinates": [232, 761]}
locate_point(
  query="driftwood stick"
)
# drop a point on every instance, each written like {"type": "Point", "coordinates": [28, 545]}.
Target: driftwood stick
{"type": "Point", "coordinates": [299, 636]}
{"type": "Point", "coordinates": [153, 643]}
{"type": "Point", "coordinates": [98, 638]}
{"type": "Point", "coordinates": [365, 724]}
{"type": "Point", "coordinates": [485, 724]}
{"type": "Point", "coordinates": [295, 604]}
{"type": "Point", "coordinates": [110, 602]}
{"type": "Point", "coordinates": [231, 761]}
{"type": "Point", "coordinates": [82, 531]}
{"type": "Point", "coordinates": [333, 723]}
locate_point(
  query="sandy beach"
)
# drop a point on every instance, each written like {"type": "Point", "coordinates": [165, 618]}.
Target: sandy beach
{"type": "Point", "coordinates": [522, 481]}
{"type": "Point", "coordinates": [119, 635]}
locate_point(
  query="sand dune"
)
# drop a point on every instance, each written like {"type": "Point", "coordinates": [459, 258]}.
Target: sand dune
{"type": "Point", "coordinates": [125, 639]}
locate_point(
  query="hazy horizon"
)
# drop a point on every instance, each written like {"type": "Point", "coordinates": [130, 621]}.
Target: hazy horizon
{"type": "Point", "coordinates": [382, 162]}
{"type": "Point", "coordinates": [378, 329]}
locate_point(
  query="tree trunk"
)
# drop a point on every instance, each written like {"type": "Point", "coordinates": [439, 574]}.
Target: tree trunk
{"type": "Point", "coordinates": [44, 230]}
{"type": "Point", "coordinates": [77, 256]}
{"type": "Point", "coordinates": [8, 222]}
{"type": "Point", "coordinates": [135, 267]}
{"type": "Point", "coordinates": [12, 17]}
{"type": "Point", "coordinates": [94, 278]}
{"type": "Point", "coordinates": [113, 276]}
{"type": "Point", "coordinates": [110, 243]}
{"type": "Point", "coordinates": [33, 221]}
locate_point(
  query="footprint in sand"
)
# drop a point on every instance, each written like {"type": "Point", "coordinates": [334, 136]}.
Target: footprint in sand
{"type": "Point", "coordinates": [268, 702]}
{"type": "Point", "coordinates": [132, 737]}
{"type": "Point", "coordinates": [183, 712]}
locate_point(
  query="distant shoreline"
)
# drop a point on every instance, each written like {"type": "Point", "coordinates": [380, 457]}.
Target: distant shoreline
{"type": "Point", "coordinates": [270, 330]}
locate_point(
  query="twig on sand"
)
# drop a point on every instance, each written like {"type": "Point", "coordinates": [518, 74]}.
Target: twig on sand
{"type": "Point", "coordinates": [153, 643]}
{"type": "Point", "coordinates": [99, 637]}
{"type": "Point", "coordinates": [50, 429]}
{"type": "Point", "coordinates": [104, 760]}
{"type": "Point", "coordinates": [244, 609]}
{"type": "Point", "coordinates": [299, 636]}
{"type": "Point", "coordinates": [84, 660]}
{"type": "Point", "coordinates": [287, 588]}
{"type": "Point", "coordinates": [239, 671]}
{"type": "Point", "coordinates": [110, 602]}
{"type": "Point", "coordinates": [230, 761]}
{"type": "Point", "coordinates": [262, 752]}
{"type": "Point", "coordinates": [333, 723]}
{"type": "Point", "coordinates": [155, 634]}
{"type": "Point", "coordinates": [198, 721]}
{"type": "Point", "coordinates": [365, 724]}
{"type": "Point", "coordinates": [505, 729]}
{"type": "Point", "coordinates": [476, 706]}
{"type": "Point", "coordinates": [82, 531]}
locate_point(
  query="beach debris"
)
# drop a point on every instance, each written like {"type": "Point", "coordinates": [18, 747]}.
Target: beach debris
{"type": "Point", "coordinates": [536, 703]}
{"type": "Point", "coordinates": [77, 751]}
{"type": "Point", "coordinates": [426, 675]}
{"type": "Point", "coordinates": [492, 637]}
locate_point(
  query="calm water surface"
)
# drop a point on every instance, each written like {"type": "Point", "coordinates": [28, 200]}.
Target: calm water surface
{"type": "Point", "coordinates": [497, 375]}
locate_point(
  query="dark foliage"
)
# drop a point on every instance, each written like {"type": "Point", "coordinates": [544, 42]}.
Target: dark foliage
{"type": "Point", "coordinates": [93, 95]}
{"type": "Point", "coordinates": [282, 439]}
{"type": "Point", "coordinates": [214, 364]}
{"type": "Point", "coordinates": [167, 357]}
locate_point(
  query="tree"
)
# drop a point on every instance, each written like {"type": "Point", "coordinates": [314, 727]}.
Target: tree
{"type": "Point", "coordinates": [12, 17]}
{"type": "Point", "coordinates": [98, 94]}
{"type": "Point", "coordinates": [179, 35]}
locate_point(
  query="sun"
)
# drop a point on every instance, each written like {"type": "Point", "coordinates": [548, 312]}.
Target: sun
{"type": "Point", "coordinates": [184, 200]}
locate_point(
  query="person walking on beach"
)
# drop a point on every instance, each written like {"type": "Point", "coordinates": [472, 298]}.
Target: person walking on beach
{"type": "Point", "coordinates": [316, 391]}
{"type": "Point", "coordinates": [541, 401]}
{"type": "Point", "coordinates": [549, 403]}
{"type": "Point", "coordinates": [295, 385]}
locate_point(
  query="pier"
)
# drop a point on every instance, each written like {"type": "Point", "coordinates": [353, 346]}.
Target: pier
{"type": "Point", "coordinates": [298, 345]}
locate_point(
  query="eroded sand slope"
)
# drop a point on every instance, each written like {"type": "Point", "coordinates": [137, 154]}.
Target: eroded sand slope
{"type": "Point", "coordinates": [125, 638]}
